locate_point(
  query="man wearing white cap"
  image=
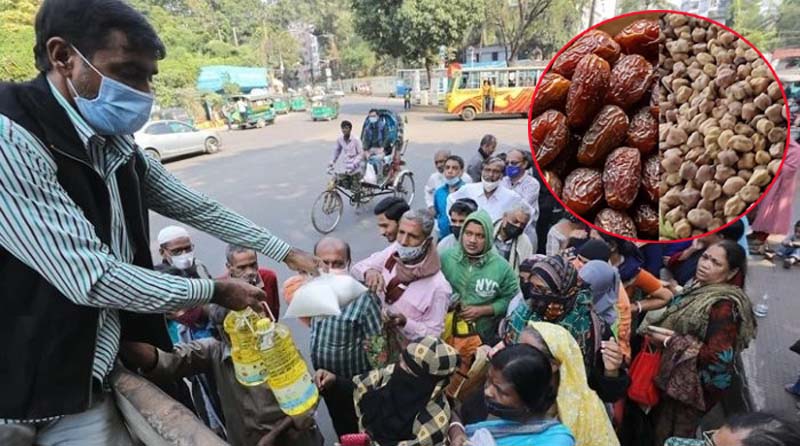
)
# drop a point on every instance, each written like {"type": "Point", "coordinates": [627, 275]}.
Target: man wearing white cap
{"type": "Point", "coordinates": [177, 254]}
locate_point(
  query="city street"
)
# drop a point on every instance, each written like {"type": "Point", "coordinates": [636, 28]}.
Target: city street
{"type": "Point", "coordinates": [273, 175]}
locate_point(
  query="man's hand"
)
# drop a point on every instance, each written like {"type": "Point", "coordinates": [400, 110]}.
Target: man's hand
{"type": "Point", "coordinates": [373, 279]}
{"type": "Point", "coordinates": [457, 436]}
{"type": "Point", "coordinates": [324, 379]}
{"type": "Point", "coordinates": [470, 314]}
{"type": "Point", "coordinates": [139, 355]}
{"type": "Point", "coordinates": [394, 320]}
{"type": "Point", "coordinates": [612, 357]}
{"type": "Point", "coordinates": [237, 295]}
{"type": "Point", "coordinates": [302, 262]}
{"type": "Point", "coordinates": [659, 336]}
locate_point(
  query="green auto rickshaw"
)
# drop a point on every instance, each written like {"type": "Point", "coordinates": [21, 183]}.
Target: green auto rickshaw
{"type": "Point", "coordinates": [298, 103]}
{"type": "Point", "coordinates": [250, 111]}
{"type": "Point", "coordinates": [326, 109]}
{"type": "Point", "coordinates": [280, 105]}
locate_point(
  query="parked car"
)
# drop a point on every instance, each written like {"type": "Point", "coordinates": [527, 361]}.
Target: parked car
{"type": "Point", "coordinates": [169, 139]}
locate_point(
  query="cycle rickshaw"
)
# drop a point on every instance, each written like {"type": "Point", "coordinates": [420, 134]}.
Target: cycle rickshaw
{"type": "Point", "coordinates": [395, 179]}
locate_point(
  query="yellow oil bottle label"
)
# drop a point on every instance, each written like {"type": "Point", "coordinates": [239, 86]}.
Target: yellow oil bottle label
{"type": "Point", "coordinates": [249, 367]}
{"type": "Point", "coordinates": [288, 375]}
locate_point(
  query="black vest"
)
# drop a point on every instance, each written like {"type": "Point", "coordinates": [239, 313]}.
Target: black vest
{"type": "Point", "coordinates": [48, 342]}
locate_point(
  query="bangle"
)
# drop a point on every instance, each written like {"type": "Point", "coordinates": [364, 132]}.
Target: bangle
{"type": "Point", "coordinates": [666, 341]}
{"type": "Point", "coordinates": [457, 424]}
{"type": "Point", "coordinates": [638, 307]}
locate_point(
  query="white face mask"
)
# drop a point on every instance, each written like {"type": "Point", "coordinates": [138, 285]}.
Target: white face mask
{"type": "Point", "coordinates": [490, 186]}
{"type": "Point", "coordinates": [183, 261]}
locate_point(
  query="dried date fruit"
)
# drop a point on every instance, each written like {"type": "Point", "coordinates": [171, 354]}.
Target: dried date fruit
{"type": "Point", "coordinates": [567, 160]}
{"type": "Point", "coordinates": [583, 190]}
{"type": "Point", "coordinates": [616, 222]}
{"type": "Point", "coordinates": [552, 93]}
{"type": "Point", "coordinates": [585, 96]}
{"type": "Point", "coordinates": [646, 219]}
{"type": "Point", "coordinates": [651, 177]}
{"type": "Point", "coordinates": [630, 79]}
{"type": "Point", "coordinates": [640, 37]}
{"type": "Point", "coordinates": [549, 136]}
{"type": "Point", "coordinates": [622, 177]}
{"type": "Point", "coordinates": [607, 132]}
{"type": "Point", "coordinates": [593, 42]}
{"type": "Point", "coordinates": [555, 183]}
{"type": "Point", "coordinates": [643, 131]}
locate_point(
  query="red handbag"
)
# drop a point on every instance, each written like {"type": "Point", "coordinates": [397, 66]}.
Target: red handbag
{"type": "Point", "coordinates": [644, 369]}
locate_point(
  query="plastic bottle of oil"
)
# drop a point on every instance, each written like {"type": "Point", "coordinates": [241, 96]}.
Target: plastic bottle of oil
{"type": "Point", "coordinates": [248, 362]}
{"type": "Point", "coordinates": [287, 373]}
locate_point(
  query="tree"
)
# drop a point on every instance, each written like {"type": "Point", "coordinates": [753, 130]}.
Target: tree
{"type": "Point", "coordinates": [514, 20]}
{"type": "Point", "coordinates": [788, 24]}
{"type": "Point", "coordinates": [415, 29]}
{"type": "Point", "coordinates": [748, 21]}
{"type": "Point", "coordinates": [16, 46]}
{"type": "Point", "coordinates": [642, 5]}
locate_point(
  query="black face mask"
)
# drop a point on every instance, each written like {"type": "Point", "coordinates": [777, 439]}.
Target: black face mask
{"type": "Point", "coordinates": [512, 231]}
{"type": "Point", "coordinates": [456, 230]}
{"type": "Point", "coordinates": [549, 307]}
{"type": "Point", "coordinates": [506, 412]}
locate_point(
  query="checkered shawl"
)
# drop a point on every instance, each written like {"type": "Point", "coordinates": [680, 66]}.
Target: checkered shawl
{"type": "Point", "coordinates": [436, 358]}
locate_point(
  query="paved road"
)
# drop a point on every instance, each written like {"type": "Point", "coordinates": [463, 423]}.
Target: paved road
{"type": "Point", "coordinates": [768, 363]}
{"type": "Point", "coordinates": [273, 175]}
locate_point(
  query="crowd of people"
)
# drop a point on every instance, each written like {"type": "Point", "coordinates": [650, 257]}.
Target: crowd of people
{"type": "Point", "coordinates": [478, 327]}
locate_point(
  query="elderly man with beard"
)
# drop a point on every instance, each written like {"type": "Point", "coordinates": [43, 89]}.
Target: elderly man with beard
{"type": "Point", "coordinates": [407, 275]}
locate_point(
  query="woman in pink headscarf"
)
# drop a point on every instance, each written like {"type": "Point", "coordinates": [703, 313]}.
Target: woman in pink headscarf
{"type": "Point", "coordinates": [774, 213]}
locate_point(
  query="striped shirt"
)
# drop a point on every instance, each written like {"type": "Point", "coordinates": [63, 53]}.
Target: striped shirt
{"type": "Point", "coordinates": [337, 342]}
{"type": "Point", "coordinates": [46, 230]}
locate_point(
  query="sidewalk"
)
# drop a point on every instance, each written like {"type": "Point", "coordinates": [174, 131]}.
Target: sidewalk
{"type": "Point", "coordinates": [768, 363]}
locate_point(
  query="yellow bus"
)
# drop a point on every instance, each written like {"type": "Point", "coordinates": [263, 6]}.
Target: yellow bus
{"type": "Point", "coordinates": [513, 91]}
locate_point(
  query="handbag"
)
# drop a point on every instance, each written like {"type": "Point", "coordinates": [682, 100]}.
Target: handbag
{"type": "Point", "coordinates": [643, 371]}
{"type": "Point", "coordinates": [463, 337]}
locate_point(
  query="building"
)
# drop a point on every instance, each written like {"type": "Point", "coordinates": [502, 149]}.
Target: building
{"type": "Point", "coordinates": [713, 9]}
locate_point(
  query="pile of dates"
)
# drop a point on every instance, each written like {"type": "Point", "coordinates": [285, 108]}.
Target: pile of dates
{"type": "Point", "coordinates": [594, 129]}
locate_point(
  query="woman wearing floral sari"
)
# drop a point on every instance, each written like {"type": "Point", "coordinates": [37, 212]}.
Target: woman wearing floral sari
{"type": "Point", "coordinates": [702, 331]}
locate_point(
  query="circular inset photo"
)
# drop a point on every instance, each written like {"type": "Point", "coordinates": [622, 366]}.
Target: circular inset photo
{"type": "Point", "coordinates": [659, 126]}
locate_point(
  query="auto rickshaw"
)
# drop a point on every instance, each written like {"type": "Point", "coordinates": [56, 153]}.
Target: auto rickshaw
{"type": "Point", "coordinates": [298, 103]}
{"type": "Point", "coordinates": [259, 111]}
{"type": "Point", "coordinates": [280, 105]}
{"type": "Point", "coordinates": [325, 109]}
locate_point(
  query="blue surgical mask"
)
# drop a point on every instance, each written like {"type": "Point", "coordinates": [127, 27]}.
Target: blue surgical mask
{"type": "Point", "coordinates": [373, 119]}
{"type": "Point", "coordinates": [512, 171]}
{"type": "Point", "coordinates": [452, 181]}
{"type": "Point", "coordinates": [117, 110]}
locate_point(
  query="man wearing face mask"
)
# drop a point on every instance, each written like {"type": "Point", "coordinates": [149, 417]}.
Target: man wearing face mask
{"type": "Point", "coordinates": [458, 213]}
{"type": "Point", "coordinates": [375, 142]}
{"type": "Point", "coordinates": [453, 181]}
{"type": "Point", "coordinates": [483, 280]}
{"type": "Point", "coordinates": [518, 179]}
{"type": "Point", "coordinates": [242, 264]}
{"type": "Point", "coordinates": [490, 194]}
{"type": "Point", "coordinates": [76, 268]}
{"type": "Point", "coordinates": [177, 254]}
{"type": "Point", "coordinates": [440, 177]}
{"type": "Point", "coordinates": [509, 237]}
{"type": "Point", "coordinates": [407, 275]}
{"type": "Point", "coordinates": [337, 342]}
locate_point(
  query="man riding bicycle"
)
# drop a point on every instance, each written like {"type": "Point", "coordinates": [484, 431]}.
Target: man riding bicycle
{"type": "Point", "coordinates": [353, 158]}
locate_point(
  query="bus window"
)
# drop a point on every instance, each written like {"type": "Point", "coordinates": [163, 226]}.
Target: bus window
{"type": "Point", "coordinates": [502, 79]}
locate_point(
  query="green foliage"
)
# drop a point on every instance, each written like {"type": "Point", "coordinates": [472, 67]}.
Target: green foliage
{"type": "Point", "coordinates": [415, 29]}
{"type": "Point", "coordinates": [788, 24]}
{"type": "Point", "coordinates": [16, 44]}
{"type": "Point", "coordinates": [748, 20]}
{"type": "Point", "coordinates": [642, 5]}
{"type": "Point", "coordinates": [231, 88]}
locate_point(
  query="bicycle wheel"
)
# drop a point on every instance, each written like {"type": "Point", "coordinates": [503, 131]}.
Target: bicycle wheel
{"type": "Point", "coordinates": [327, 211]}
{"type": "Point", "coordinates": [404, 187]}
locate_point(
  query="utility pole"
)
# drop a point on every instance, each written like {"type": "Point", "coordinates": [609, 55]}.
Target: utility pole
{"type": "Point", "coordinates": [235, 38]}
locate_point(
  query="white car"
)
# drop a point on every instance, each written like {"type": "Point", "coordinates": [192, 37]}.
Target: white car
{"type": "Point", "coordinates": [169, 139]}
